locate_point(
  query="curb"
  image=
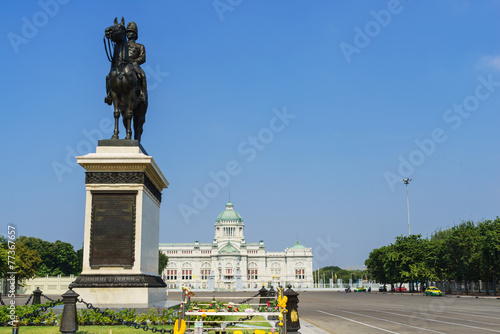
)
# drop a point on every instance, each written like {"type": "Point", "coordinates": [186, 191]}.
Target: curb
{"type": "Point", "coordinates": [475, 297]}
{"type": "Point", "coordinates": [445, 295]}
{"type": "Point", "coordinates": [308, 328]}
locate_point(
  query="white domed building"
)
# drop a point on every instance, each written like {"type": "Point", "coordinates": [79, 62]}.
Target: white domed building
{"type": "Point", "coordinates": [230, 263]}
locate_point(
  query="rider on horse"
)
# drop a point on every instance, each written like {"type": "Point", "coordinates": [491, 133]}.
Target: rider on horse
{"type": "Point", "coordinates": [137, 55]}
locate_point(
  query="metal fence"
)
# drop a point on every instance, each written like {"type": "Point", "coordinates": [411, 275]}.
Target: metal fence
{"type": "Point", "coordinates": [470, 287]}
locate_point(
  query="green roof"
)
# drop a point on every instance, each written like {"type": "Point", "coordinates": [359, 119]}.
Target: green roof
{"type": "Point", "coordinates": [297, 245]}
{"type": "Point", "coordinates": [229, 249]}
{"type": "Point", "coordinates": [229, 215]}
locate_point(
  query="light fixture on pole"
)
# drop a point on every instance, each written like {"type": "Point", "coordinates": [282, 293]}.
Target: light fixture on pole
{"type": "Point", "coordinates": [406, 181]}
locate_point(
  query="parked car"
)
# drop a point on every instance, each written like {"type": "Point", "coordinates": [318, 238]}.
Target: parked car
{"type": "Point", "coordinates": [382, 289]}
{"type": "Point", "coordinates": [401, 289]}
{"type": "Point", "coordinates": [433, 291]}
{"type": "Point", "coordinates": [360, 289]}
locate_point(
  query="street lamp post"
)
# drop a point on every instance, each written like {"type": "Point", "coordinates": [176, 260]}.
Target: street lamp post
{"type": "Point", "coordinates": [406, 181]}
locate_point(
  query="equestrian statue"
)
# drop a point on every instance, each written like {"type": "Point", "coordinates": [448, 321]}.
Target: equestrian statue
{"type": "Point", "coordinates": [126, 85]}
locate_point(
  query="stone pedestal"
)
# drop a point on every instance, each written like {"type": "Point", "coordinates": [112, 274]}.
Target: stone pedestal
{"type": "Point", "coordinates": [122, 214]}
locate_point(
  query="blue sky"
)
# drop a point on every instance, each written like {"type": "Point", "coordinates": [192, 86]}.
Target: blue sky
{"type": "Point", "coordinates": [318, 110]}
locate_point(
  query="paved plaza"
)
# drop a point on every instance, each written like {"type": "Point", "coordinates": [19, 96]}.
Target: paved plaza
{"type": "Point", "coordinates": [346, 313]}
{"type": "Point", "coordinates": [358, 313]}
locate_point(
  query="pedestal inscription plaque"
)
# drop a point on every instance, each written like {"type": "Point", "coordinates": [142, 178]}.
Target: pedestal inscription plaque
{"type": "Point", "coordinates": [112, 236]}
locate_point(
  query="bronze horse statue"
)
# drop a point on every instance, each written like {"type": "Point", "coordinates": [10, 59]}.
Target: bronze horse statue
{"type": "Point", "coordinates": [123, 84]}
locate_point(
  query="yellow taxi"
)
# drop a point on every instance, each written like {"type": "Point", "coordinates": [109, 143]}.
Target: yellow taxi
{"type": "Point", "coordinates": [433, 291]}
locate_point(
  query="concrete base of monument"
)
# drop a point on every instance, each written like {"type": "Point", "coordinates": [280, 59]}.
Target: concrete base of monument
{"type": "Point", "coordinates": [124, 297]}
{"type": "Point", "coordinates": [121, 291]}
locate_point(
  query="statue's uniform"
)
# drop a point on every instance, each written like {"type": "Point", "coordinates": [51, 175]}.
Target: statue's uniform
{"type": "Point", "coordinates": [137, 55]}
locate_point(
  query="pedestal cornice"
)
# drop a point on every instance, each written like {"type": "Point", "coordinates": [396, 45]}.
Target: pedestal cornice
{"type": "Point", "coordinates": [123, 159]}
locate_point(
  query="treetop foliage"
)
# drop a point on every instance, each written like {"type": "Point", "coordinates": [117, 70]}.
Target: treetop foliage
{"type": "Point", "coordinates": [35, 257]}
{"type": "Point", "coordinates": [334, 272]}
{"type": "Point", "coordinates": [469, 251]}
{"type": "Point", "coordinates": [58, 258]}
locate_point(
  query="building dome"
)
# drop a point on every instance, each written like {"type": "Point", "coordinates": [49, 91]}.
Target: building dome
{"type": "Point", "coordinates": [229, 249]}
{"type": "Point", "coordinates": [298, 245]}
{"type": "Point", "coordinates": [229, 215]}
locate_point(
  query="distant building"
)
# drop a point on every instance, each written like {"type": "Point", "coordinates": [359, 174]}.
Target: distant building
{"type": "Point", "coordinates": [230, 263]}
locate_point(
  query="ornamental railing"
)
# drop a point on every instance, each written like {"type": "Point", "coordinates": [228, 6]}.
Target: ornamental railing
{"type": "Point", "coordinates": [210, 313]}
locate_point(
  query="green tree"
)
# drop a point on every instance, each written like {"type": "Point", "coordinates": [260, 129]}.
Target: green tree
{"type": "Point", "coordinates": [392, 265]}
{"type": "Point", "coordinates": [27, 261]}
{"type": "Point", "coordinates": [489, 232]}
{"type": "Point", "coordinates": [414, 255]}
{"type": "Point", "coordinates": [463, 253]}
{"type": "Point", "coordinates": [58, 258]}
{"type": "Point", "coordinates": [329, 272]}
{"type": "Point", "coordinates": [464, 247]}
{"type": "Point", "coordinates": [79, 261]}
{"type": "Point", "coordinates": [65, 259]}
{"type": "Point", "coordinates": [376, 265]}
{"type": "Point", "coordinates": [162, 262]}
{"type": "Point", "coordinates": [445, 263]}
{"type": "Point", "coordinates": [407, 260]}
{"type": "Point", "coordinates": [3, 256]}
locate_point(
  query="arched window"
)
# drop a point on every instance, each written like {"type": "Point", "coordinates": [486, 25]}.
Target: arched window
{"type": "Point", "coordinates": [300, 272]}
{"type": "Point", "coordinates": [252, 271]}
{"type": "Point", "coordinates": [275, 271]}
{"type": "Point", "coordinates": [205, 270]}
{"type": "Point", "coordinates": [228, 273]}
{"type": "Point", "coordinates": [171, 272]}
{"type": "Point", "coordinates": [187, 271]}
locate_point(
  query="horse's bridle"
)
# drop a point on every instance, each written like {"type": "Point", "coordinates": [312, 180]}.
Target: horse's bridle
{"type": "Point", "coordinates": [108, 47]}
{"type": "Point", "coordinates": [120, 60]}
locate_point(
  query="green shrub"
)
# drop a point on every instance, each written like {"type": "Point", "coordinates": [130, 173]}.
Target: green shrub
{"type": "Point", "coordinates": [88, 316]}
